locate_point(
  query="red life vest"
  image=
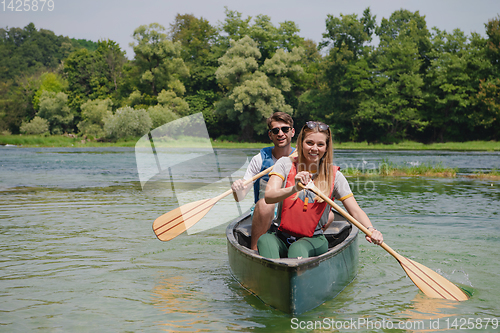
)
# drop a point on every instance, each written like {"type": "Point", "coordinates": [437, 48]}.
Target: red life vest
{"type": "Point", "coordinates": [299, 218]}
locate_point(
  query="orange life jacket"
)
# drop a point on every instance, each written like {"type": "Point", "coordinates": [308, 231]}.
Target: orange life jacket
{"type": "Point", "coordinates": [299, 218]}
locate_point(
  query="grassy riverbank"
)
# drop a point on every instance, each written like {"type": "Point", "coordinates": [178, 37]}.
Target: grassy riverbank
{"type": "Point", "coordinates": [66, 141]}
{"type": "Point", "coordinates": [31, 141]}
{"type": "Point", "coordinates": [387, 168]}
{"type": "Point", "coordinates": [411, 145]}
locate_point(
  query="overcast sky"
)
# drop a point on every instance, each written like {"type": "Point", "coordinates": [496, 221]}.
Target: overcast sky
{"type": "Point", "coordinates": [117, 19]}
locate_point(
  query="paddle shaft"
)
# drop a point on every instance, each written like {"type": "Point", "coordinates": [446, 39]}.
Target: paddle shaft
{"type": "Point", "coordinates": [350, 218]}
{"type": "Point", "coordinates": [254, 178]}
{"type": "Point", "coordinates": [246, 182]}
{"type": "Point", "coordinates": [429, 282]}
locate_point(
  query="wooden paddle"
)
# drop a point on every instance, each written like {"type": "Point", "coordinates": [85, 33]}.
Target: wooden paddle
{"type": "Point", "coordinates": [429, 282]}
{"type": "Point", "coordinates": [175, 222]}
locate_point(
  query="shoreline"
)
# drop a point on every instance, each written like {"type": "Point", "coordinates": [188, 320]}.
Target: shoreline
{"type": "Point", "coordinates": [491, 176]}
{"type": "Point", "coordinates": [385, 169]}
{"type": "Point", "coordinates": [59, 141]}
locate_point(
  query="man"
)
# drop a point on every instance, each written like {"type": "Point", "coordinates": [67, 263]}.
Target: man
{"type": "Point", "coordinates": [280, 132]}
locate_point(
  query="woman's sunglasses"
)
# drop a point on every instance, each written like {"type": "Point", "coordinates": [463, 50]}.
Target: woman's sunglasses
{"type": "Point", "coordinates": [276, 130]}
{"type": "Point", "coordinates": [320, 125]}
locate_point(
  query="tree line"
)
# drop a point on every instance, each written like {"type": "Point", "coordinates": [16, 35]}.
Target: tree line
{"type": "Point", "coordinates": [417, 84]}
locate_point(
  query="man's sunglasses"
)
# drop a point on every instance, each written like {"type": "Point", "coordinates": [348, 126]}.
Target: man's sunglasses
{"type": "Point", "coordinates": [276, 130]}
{"type": "Point", "coordinates": [314, 124]}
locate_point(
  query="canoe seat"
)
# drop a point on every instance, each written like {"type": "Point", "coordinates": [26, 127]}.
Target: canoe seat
{"type": "Point", "coordinates": [243, 232]}
{"type": "Point", "coordinates": [335, 234]}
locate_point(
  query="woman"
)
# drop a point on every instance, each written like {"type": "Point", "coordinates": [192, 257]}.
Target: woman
{"type": "Point", "coordinates": [302, 216]}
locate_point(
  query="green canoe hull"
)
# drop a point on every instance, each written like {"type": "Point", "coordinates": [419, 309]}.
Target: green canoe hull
{"type": "Point", "coordinates": [294, 286]}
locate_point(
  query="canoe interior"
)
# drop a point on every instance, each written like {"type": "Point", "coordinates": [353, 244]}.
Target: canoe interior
{"type": "Point", "coordinates": [294, 285]}
{"type": "Point", "coordinates": [335, 234]}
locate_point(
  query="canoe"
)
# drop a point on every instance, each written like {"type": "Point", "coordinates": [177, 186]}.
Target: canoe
{"type": "Point", "coordinates": [293, 285]}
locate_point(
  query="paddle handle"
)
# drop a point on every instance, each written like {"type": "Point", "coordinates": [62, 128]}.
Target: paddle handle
{"type": "Point", "coordinates": [257, 176]}
{"type": "Point", "coordinates": [265, 172]}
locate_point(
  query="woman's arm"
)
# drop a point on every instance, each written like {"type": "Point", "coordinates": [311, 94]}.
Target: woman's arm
{"type": "Point", "coordinates": [353, 208]}
{"type": "Point", "coordinates": [276, 193]}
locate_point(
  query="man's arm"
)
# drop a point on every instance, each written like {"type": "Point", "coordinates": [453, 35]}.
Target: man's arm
{"type": "Point", "coordinates": [239, 190]}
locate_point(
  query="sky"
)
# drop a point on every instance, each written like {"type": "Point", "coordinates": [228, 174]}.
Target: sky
{"type": "Point", "coordinates": [117, 19]}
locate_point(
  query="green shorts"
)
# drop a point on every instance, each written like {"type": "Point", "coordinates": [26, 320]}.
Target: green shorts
{"type": "Point", "coordinates": [273, 247]}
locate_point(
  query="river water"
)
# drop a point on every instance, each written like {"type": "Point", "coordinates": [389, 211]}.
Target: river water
{"type": "Point", "coordinates": [79, 254]}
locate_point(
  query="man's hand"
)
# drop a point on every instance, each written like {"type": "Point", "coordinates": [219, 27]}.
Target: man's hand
{"type": "Point", "coordinates": [239, 189]}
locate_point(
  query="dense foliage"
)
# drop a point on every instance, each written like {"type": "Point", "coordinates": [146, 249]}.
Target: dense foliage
{"type": "Point", "coordinates": [417, 84]}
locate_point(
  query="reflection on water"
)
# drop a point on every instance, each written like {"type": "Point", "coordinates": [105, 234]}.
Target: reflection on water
{"type": "Point", "coordinates": [79, 254]}
{"type": "Point", "coordinates": [177, 299]}
{"type": "Point", "coordinates": [429, 311]}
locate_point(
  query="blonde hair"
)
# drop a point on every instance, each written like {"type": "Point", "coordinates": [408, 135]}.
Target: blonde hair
{"type": "Point", "coordinates": [324, 178]}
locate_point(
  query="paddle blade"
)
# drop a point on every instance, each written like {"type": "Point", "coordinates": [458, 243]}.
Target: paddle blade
{"type": "Point", "coordinates": [429, 282]}
{"type": "Point", "coordinates": [175, 222]}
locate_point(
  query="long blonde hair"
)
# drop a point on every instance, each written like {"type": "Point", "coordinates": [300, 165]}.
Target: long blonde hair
{"type": "Point", "coordinates": [324, 177]}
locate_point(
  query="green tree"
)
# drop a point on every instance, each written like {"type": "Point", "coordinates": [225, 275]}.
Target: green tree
{"type": "Point", "coordinates": [54, 108]}
{"type": "Point", "coordinates": [94, 112]}
{"type": "Point", "coordinates": [16, 101]}
{"type": "Point", "coordinates": [49, 82]}
{"type": "Point", "coordinates": [350, 31]}
{"type": "Point", "coordinates": [250, 96]}
{"type": "Point", "coordinates": [459, 67]}
{"type": "Point", "coordinates": [413, 25]}
{"type": "Point", "coordinates": [161, 114]}
{"type": "Point", "coordinates": [94, 74]}
{"type": "Point", "coordinates": [493, 44]}
{"type": "Point", "coordinates": [269, 38]}
{"type": "Point", "coordinates": [127, 122]}
{"type": "Point", "coordinates": [112, 58]}
{"type": "Point", "coordinates": [448, 85]}
{"type": "Point", "coordinates": [157, 59]}
{"type": "Point", "coordinates": [486, 115]}
{"type": "Point", "coordinates": [197, 37]}
{"type": "Point", "coordinates": [345, 74]}
{"type": "Point", "coordinates": [28, 51]}
{"type": "Point", "coordinates": [84, 43]}
{"type": "Point", "coordinates": [174, 103]}
{"type": "Point", "coordinates": [397, 86]}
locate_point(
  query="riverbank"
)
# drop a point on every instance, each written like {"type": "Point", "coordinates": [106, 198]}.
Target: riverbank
{"type": "Point", "coordinates": [389, 169]}
{"type": "Point", "coordinates": [67, 141]}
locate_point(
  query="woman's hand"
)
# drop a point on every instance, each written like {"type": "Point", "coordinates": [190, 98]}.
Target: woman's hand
{"type": "Point", "coordinates": [376, 238]}
{"type": "Point", "coordinates": [353, 208]}
{"type": "Point", "coordinates": [302, 177]}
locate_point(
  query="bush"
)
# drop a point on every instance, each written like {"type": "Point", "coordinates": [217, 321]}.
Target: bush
{"type": "Point", "coordinates": [161, 115]}
{"type": "Point", "coordinates": [49, 82]}
{"type": "Point", "coordinates": [36, 126]}
{"type": "Point", "coordinates": [127, 122]}
{"type": "Point", "coordinates": [171, 100]}
{"type": "Point", "coordinates": [54, 108]}
{"type": "Point", "coordinates": [93, 114]}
